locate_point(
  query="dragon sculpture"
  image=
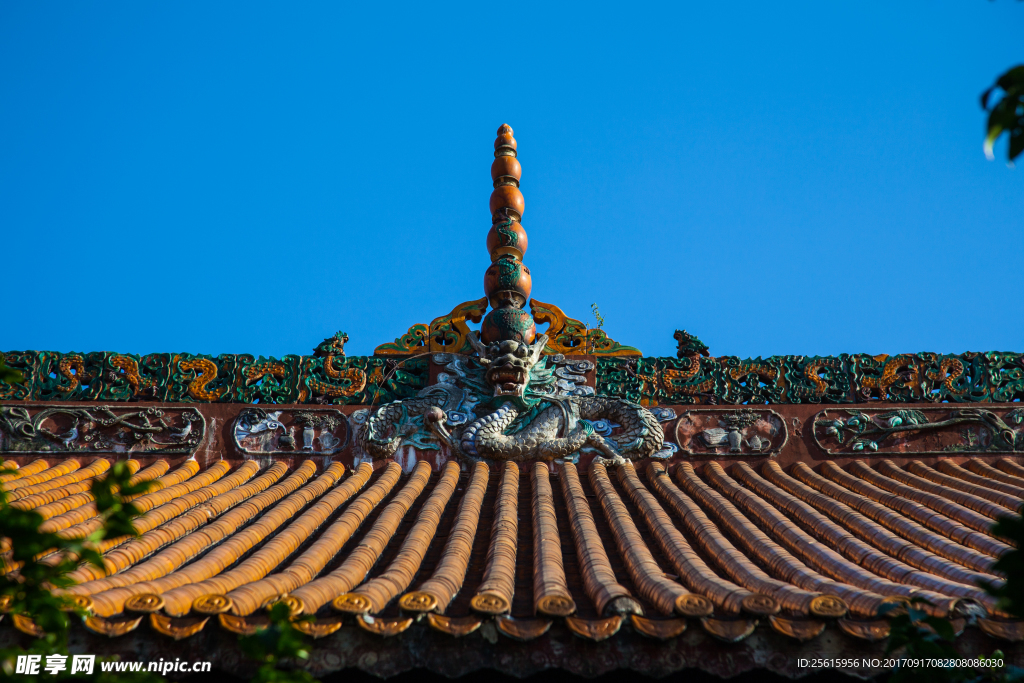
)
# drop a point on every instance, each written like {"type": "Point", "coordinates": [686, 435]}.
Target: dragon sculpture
{"type": "Point", "coordinates": [511, 403]}
{"type": "Point", "coordinates": [352, 380]}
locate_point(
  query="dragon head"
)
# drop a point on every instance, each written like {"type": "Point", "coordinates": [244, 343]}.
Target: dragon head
{"type": "Point", "coordinates": [332, 346]}
{"type": "Point", "coordinates": [689, 345]}
{"type": "Point", "coordinates": [508, 364]}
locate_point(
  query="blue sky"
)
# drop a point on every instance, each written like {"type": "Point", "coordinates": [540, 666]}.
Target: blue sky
{"type": "Point", "coordinates": [801, 178]}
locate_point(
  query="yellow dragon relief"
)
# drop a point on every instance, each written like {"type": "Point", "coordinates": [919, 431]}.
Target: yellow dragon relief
{"type": "Point", "coordinates": [258, 371]}
{"type": "Point", "coordinates": [354, 378]}
{"type": "Point", "coordinates": [206, 371]}
{"type": "Point", "coordinates": [67, 363]}
{"type": "Point", "coordinates": [130, 368]}
{"type": "Point", "coordinates": [762, 370]}
{"type": "Point", "coordinates": [818, 385]}
{"type": "Point", "coordinates": [950, 370]}
{"type": "Point", "coordinates": [889, 374]}
{"type": "Point", "coordinates": [675, 381]}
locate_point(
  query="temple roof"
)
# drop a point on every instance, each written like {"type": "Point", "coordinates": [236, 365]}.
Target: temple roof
{"type": "Point", "coordinates": [521, 491]}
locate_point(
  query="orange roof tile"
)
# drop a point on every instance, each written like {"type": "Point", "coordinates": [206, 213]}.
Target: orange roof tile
{"type": "Point", "coordinates": [728, 545]}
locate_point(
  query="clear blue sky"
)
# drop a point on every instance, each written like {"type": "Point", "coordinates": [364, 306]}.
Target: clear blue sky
{"type": "Point", "coordinates": [251, 177]}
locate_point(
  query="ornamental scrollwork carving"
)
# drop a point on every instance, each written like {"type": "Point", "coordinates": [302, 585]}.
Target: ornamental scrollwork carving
{"type": "Point", "coordinates": [447, 334]}
{"type": "Point", "coordinates": [570, 336]}
{"type": "Point", "coordinates": [450, 334]}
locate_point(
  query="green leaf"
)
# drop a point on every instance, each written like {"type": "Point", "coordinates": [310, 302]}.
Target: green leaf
{"type": "Point", "coordinates": [1010, 565]}
{"type": "Point", "coordinates": [1006, 115]}
{"type": "Point", "coordinates": [29, 589]}
{"type": "Point", "coordinates": [1012, 79]}
{"type": "Point", "coordinates": [1016, 143]}
{"type": "Point", "coordinates": [985, 95]}
{"type": "Point", "coordinates": [942, 628]}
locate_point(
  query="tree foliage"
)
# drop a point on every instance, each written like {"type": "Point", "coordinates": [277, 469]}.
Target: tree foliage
{"type": "Point", "coordinates": [9, 375]}
{"type": "Point", "coordinates": [39, 561]}
{"type": "Point", "coordinates": [915, 635]}
{"type": "Point", "coordinates": [276, 647]}
{"type": "Point", "coordinates": [1006, 115]}
{"type": "Point", "coordinates": [1010, 565]}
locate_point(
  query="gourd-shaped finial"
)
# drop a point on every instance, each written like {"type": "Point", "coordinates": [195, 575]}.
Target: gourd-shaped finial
{"type": "Point", "coordinates": [507, 282]}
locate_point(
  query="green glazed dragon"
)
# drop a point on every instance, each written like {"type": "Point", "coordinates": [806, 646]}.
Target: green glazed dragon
{"type": "Point", "coordinates": [511, 403]}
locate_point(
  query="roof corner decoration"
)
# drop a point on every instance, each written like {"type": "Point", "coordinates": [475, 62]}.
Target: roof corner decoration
{"type": "Point", "coordinates": [570, 336]}
{"type": "Point", "coordinates": [446, 334]}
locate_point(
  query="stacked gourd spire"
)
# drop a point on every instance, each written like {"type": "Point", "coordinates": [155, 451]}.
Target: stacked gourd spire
{"type": "Point", "coordinates": [507, 281]}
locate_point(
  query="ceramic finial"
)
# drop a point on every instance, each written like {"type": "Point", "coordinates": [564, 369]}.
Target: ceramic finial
{"type": "Point", "coordinates": [507, 281]}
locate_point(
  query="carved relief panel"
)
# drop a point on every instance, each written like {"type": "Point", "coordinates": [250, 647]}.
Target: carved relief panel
{"type": "Point", "coordinates": [728, 431]}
